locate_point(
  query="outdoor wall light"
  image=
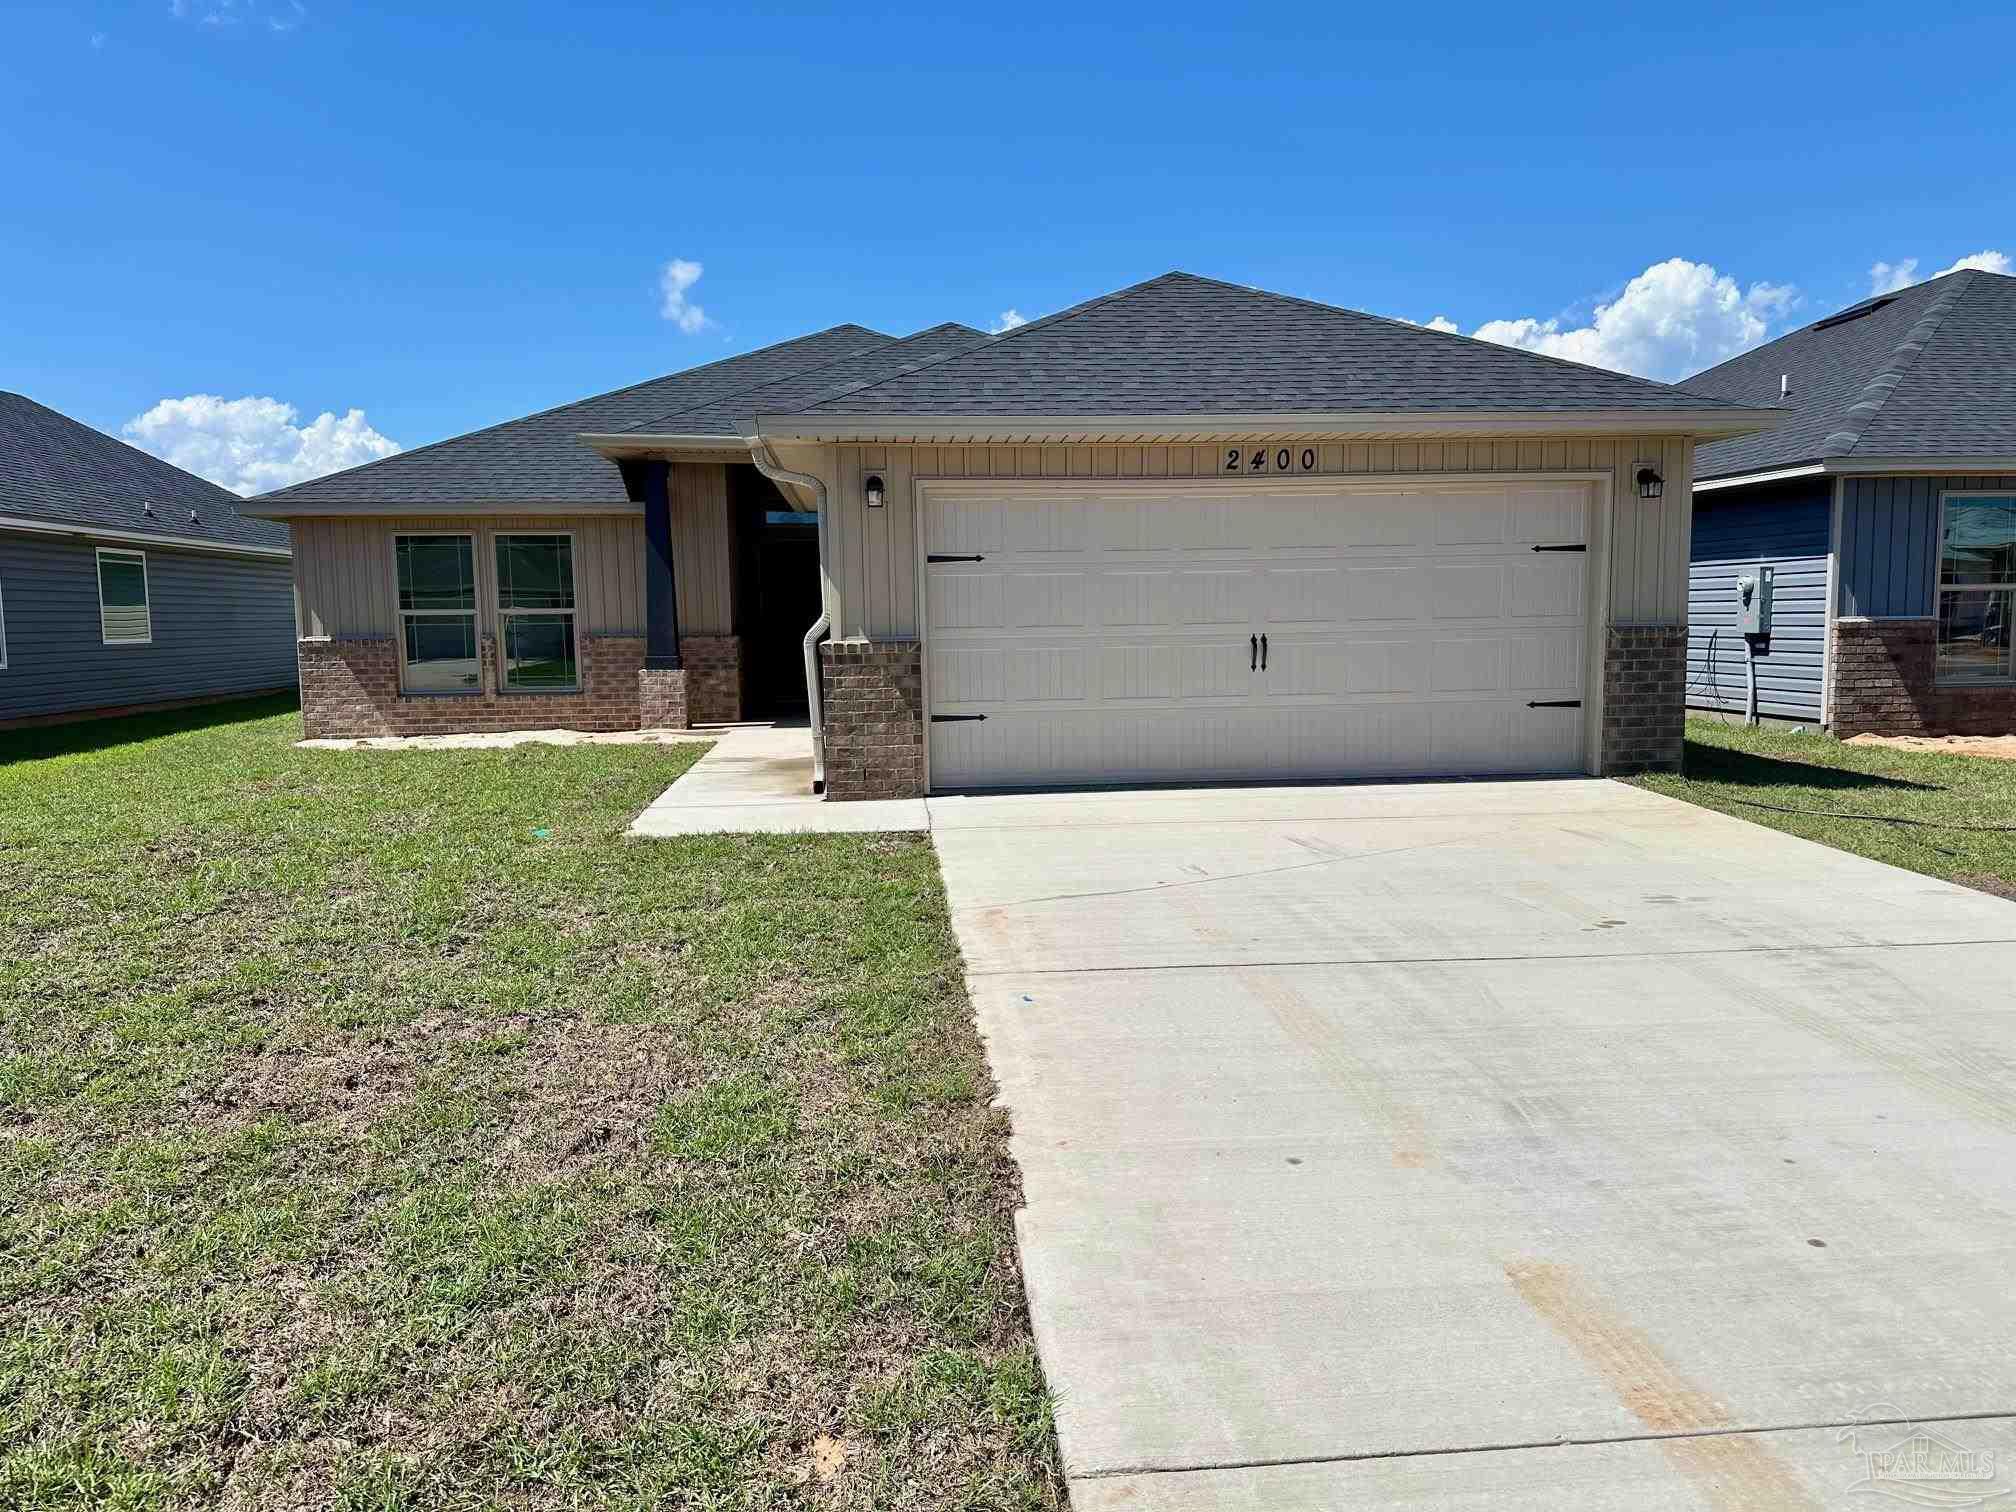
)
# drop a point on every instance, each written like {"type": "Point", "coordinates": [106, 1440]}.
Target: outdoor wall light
{"type": "Point", "coordinates": [1650, 484]}
{"type": "Point", "coordinates": [873, 488]}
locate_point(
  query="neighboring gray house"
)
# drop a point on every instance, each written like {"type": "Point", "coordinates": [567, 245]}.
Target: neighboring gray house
{"type": "Point", "coordinates": [126, 583]}
{"type": "Point", "coordinates": [1885, 503]}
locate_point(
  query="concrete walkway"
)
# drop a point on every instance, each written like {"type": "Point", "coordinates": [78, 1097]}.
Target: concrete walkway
{"type": "Point", "coordinates": [1495, 1145]}
{"type": "Point", "coordinates": [758, 780]}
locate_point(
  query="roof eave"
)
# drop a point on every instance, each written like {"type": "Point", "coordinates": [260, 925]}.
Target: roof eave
{"type": "Point", "coordinates": [73, 530]}
{"type": "Point", "coordinates": [294, 509]}
{"type": "Point", "coordinates": [1835, 467]}
{"type": "Point", "coordinates": [616, 445]}
{"type": "Point", "coordinates": [1717, 424]}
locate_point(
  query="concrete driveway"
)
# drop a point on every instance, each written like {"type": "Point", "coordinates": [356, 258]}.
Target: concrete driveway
{"type": "Point", "coordinates": [1508, 1145]}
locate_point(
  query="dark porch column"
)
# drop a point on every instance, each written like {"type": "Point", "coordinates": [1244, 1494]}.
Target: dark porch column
{"type": "Point", "coordinates": [661, 585]}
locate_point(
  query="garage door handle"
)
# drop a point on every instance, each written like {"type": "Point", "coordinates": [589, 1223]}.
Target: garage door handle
{"type": "Point", "coordinates": [1583, 547]}
{"type": "Point", "coordinates": [956, 718]}
{"type": "Point", "coordinates": [1554, 703]}
{"type": "Point", "coordinates": [1263, 653]}
{"type": "Point", "coordinates": [1254, 645]}
{"type": "Point", "coordinates": [935, 557]}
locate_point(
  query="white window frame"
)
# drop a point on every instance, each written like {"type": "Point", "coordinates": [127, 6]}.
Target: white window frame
{"type": "Point", "coordinates": [474, 613]}
{"type": "Point", "coordinates": [1940, 590]}
{"type": "Point", "coordinates": [497, 538]}
{"type": "Point", "coordinates": [146, 589]}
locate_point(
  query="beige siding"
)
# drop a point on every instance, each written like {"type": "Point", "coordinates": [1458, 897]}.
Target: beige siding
{"type": "Point", "coordinates": [702, 548]}
{"type": "Point", "coordinates": [872, 575]}
{"type": "Point", "coordinates": [343, 568]}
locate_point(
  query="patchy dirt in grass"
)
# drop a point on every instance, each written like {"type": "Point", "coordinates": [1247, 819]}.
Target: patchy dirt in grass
{"type": "Point", "coordinates": [585, 1092]}
{"type": "Point", "coordinates": [1987, 882]}
{"type": "Point", "coordinates": [1995, 747]}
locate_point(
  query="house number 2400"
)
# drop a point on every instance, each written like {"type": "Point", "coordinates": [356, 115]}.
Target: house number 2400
{"type": "Point", "coordinates": [1283, 459]}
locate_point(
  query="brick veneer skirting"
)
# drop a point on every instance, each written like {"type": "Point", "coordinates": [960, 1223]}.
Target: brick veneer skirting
{"type": "Point", "coordinates": [1644, 698]}
{"type": "Point", "coordinates": [713, 677]}
{"type": "Point", "coordinates": [350, 687]}
{"type": "Point", "coordinates": [1884, 684]}
{"type": "Point", "coordinates": [874, 708]}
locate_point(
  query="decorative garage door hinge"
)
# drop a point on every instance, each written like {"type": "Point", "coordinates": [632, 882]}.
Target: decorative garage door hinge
{"type": "Point", "coordinates": [955, 718]}
{"type": "Point", "coordinates": [1554, 703]}
{"type": "Point", "coordinates": [935, 557]}
{"type": "Point", "coordinates": [1583, 547]}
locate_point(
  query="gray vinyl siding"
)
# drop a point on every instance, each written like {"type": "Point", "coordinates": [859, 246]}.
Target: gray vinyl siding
{"type": "Point", "coordinates": [221, 625]}
{"type": "Point", "coordinates": [1890, 541]}
{"type": "Point", "coordinates": [1736, 531]}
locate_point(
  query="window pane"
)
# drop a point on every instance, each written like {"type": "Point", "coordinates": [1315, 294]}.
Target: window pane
{"type": "Point", "coordinates": [535, 572]}
{"type": "Point", "coordinates": [436, 572]}
{"type": "Point", "coordinates": [1980, 544]}
{"type": "Point", "coordinates": [539, 651]}
{"type": "Point", "coordinates": [1974, 636]}
{"type": "Point", "coordinates": [122, 582]}
{"type": "Point", "coordinates": [441, 653]}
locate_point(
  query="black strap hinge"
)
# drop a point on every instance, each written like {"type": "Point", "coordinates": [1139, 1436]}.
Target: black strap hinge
{"type": "Point", "coordinates": [955, 718]}
{"type": "Point", "coordinates": [1554, 703]}
{"type": "Point", "coordinates": [1583, 547]}
{"type": "Point", "coordinates": [934, 557]}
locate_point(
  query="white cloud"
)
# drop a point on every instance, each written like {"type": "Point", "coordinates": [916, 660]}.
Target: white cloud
{"type": "Point", "coordinates": [223, 15]}
{"type": "Point", "coordinates": [1675, 318]}
{"type": "Point", "coordinates": [98, 39]}
{"type": "Point", "coordinates": [674, 280]}
{"type": "Point", "coordinates": [1888, 278]}
{"type": "Point", "coordinates": [1444, 323]}
{"type": "Point", "coordinates": [1008, 320]}
{"type": "Point", "coordinates": [251, 445]}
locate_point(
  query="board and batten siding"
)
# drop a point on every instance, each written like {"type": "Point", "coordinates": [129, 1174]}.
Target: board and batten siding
{"type": "Point", "coordinates": [343, 570]}
{"type": "Point", "coordinates": [1890, 541]}
{"type": "Point", "coordinates": [871, 587]}
{"type": "Point", "coordinates": [221, 625]}
{"type": "Point", "coordinates": [1786, 527]}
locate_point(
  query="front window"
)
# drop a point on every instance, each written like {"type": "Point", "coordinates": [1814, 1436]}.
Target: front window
{"type": "Point", "coordinates": [124, 618]}
{"type": "Point", "coordinates": [437, 613]}
{"type": "Point", "coordinates": [1977, 584]}
{"type": "Point", "coordinates": [535, 612]}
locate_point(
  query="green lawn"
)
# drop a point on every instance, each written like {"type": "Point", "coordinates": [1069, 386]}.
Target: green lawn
{"type": "Point", "coordinates": [383, 1130]}
{"type": "Point", "coordinates": [1946, 816]}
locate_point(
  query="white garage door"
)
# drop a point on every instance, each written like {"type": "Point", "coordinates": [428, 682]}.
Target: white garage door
{"type": "Point", "coordinates": [1223, 634]}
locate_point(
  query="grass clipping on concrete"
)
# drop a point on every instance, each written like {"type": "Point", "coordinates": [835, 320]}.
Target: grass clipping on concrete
{"type": "Point", "coordinates": [385, 1130]}
{"type": "Point", "coordinates": [1947, 816]}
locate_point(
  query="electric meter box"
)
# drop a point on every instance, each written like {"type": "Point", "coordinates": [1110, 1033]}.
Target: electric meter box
{"type": "Point", "coordinates": [1753, 601]}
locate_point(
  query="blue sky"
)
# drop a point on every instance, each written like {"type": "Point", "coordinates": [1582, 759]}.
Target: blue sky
{"type": "Point", "coordinates": [445, 216]}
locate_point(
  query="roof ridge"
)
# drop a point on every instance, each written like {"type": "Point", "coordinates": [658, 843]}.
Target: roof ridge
{"type": "Point", "coordinates": [1428, 330]}
{"type": "Point", "coordinates": [645, 426]}
{"type": "Point", "coordinates": [1043, 322]}
{"type": "Point", "coordinates": [1867, 405]}
{"type": "Point", "coordinates": [554, 409]}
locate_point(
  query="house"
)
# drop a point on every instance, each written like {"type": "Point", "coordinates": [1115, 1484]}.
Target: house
{"type": "Point", "coordinates": [1884, 505]}
{"type": "Point", "coordinates": [126, 583]}
{"type": "Point", "coordinates": [1183, 531]}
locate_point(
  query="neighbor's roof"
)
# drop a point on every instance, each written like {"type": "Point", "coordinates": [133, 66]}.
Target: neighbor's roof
{"type": "Point", "coordinates": [540, 460]}
{"type": "Point", "coordinates": [58, 470]}
{"type": "Point", "coordinates": [1182, 345]}
{"type": "Point", "coordinates": [1929, 371]}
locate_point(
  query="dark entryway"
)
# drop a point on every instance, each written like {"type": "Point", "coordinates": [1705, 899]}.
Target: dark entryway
{"type": "Point", "coordinates": [777, 592]}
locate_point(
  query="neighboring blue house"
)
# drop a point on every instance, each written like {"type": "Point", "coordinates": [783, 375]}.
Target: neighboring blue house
{"type": "Point", "coordinates": [1886, 505]}
{"type": "Point", "coordinates": [126, 583]}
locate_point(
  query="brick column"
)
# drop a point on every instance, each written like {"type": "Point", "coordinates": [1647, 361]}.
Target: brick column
{"type": "Point", "coordinates": [661, 699]}
{"type": "Point", "coordinates": [874, 710]}
{"type": "Point", "coordinates": [1882, 672]}
{"type": "Point", "coordinates": [713, 666]}
{"type": "Point", "coordinates": [1644, 698]}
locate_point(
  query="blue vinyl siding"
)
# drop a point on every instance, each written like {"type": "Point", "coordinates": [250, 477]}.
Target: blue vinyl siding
{"type": "Point", "coordinates": [1785, 526]}
{"type": "Point", "coordinates": [221, 625]}
{"type": "Point", "coordinates": [1890, 541]}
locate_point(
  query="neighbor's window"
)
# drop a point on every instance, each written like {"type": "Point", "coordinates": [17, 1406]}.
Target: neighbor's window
{"type": "Point", "coordinates": [123, 616]}
{"type": "Point", "coordinates": [1977, 582]}
{"type": "Point", "coordinates": [437, 613]}
{"type": "Point", "coordinates": [535, 612]}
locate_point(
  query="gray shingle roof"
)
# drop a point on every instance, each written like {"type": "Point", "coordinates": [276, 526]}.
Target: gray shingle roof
{"type": "Point", "coordinates": [789, 395]}
{"type": "Point", "coordinates": [1928, 372]}
{"type": "Point", "coordinates": [1180, 344]}
{"type": "Point", "coordinates": [540, 460]}
{"type": "Point", "coordinates": [58, 469]}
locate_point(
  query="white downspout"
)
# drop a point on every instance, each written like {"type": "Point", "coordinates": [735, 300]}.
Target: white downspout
{"type": "Point", "coordinates": [759, 453]}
